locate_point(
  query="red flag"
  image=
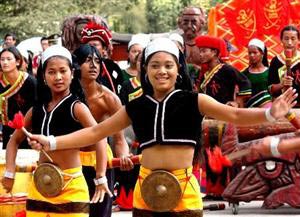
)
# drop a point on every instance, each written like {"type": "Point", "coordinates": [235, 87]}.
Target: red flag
{"type": "Point", "coordinates": [295, 15]}
{"type": "Point", "coordinates": [272, 16]}
{"type": "Point", "coordinates": [241, 18]}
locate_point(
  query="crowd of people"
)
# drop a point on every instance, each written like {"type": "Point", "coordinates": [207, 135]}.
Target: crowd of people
{"type": "Point", "coordinates": [82, 109]}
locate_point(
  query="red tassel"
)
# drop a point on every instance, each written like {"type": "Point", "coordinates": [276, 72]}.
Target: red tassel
{"type": "Point", "coordinates": [216, 160]}
{"type": "Point", "coordinates": [17, 122]}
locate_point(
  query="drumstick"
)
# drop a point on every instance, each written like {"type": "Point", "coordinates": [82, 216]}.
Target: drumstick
{"type": "Point", "coordinates": [288, 61]}
{"type": "Point", "coordinates": [116, 162]}
{"type": "Point", "coordinates": [18, 123]}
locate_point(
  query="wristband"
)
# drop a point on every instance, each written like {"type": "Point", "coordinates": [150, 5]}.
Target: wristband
{"type": "Point", "coordinates": [100, 181]}
{"type": "Point", "coordinates": [52, 143]}
{"type": "Point", "coordinates": [269, 116]}
{"type": "Point", "coordinates": [9, 175]}
{"type": "Point", "coordinates": [274, 146]}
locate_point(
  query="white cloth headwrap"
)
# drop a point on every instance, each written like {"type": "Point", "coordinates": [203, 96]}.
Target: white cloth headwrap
{"type": "Point", "coordinates": [161, 44]}
{"type": "Point", "coordinates": [257, 43]}
{"type": "Point", "coordinates": [177, 37]}
{"type": "Point", "coordinates": [141, 39]}
{"type": "Point", "coordinates": [56, 50]}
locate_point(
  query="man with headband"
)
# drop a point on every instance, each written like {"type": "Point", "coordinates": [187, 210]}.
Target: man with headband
{"type": "Point", "coordinates": [191, 21]}
{"type": "Point", "coordinates": [100, 37]}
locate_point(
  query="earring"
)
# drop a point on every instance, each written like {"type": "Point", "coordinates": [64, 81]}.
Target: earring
{"type": "Point", "coordinates": [179, 79]}
{"type": "Point", "coordinates": [45, 82]}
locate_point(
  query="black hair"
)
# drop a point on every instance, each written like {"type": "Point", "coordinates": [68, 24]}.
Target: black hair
{"type": "Point", "coordinates": [16, 53]}
{"type": "Point", "coordinates": [10, 34]}
{"type": "Point", "coordinates": [290, 28]}
{"type": "Point", "coordinates": [43, 91]}
{"type": "Point", "coordinates": [44, 38]}
{"type": "Point", "coordinates": [265, 61]}
{"type": "Point", "coordinates": [81, 54]}
{"type": "Point", "coordinates": [183, 80]}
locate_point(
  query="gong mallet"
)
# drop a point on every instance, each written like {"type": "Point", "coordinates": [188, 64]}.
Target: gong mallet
{"type": "Point", "coordinates": [18, 123]}
{"type": "Point", "coordinates": [116, 162]}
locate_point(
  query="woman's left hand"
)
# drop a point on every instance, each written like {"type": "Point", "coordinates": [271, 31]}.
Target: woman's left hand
{"type": "Point", "coordinates": [100, 192]}
{"type": "Point", "coordinates": [282, 104]}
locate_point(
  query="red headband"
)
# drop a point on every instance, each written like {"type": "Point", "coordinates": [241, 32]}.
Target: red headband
{"type": "Point", "coordinates": [94, 31]}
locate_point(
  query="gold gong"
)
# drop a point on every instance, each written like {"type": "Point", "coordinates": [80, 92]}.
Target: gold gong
{"type": "Point", "coordinates": [161, 191]}
{"type": "Point", "coordinates": [48, 179]}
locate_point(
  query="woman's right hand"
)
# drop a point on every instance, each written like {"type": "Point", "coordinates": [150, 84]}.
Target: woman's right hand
{"type": "Point", "coordinates": [39, 142]}
{"type": "Point", "coordinates": [7, 184]}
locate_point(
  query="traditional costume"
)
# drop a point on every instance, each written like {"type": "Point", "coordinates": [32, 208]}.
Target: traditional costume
{"type": "Point", "coordinates": [16, 97]}
{"type": "Point", "coordinates": [74, 198]}
{"type": "Point", "coordinates": [278, 69]}
{"type": "Point", "coordinates": [175, 120]}
{"type": "Point", "coordinates": [260, 92]}
{"type": "Point", "coordinates": [259, 80]}
{"type": "Point", "coordinates": [221, 81]}
{"type": "Point", "coordinates": [111, 77]}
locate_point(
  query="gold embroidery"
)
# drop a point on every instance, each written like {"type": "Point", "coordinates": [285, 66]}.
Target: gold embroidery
{"type": "Point", "coordinates": [271, 12]}
{"type": "Point", "coordinates": [208, 76]}
{"type": "Point", "coordinates": [247, 21]}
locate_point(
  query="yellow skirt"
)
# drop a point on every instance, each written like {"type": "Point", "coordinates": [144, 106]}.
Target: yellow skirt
{"type": "Point", "coordinates": [191, 199]}
{"type": "Point", "coordinates": [88, 158]}
{"type": "Point", "coordinates": [73, 201]}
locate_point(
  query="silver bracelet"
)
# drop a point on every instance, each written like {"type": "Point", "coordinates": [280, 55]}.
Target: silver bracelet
{"type": "Point", "coordinates": [100, 181]}
{"type": "Point", "coordinates": [9, 175]}
{"type": "Point", "coordinates": [274, 146]}
{"type": "Point", "coordinates": [52, 142]}
{"type": "Point", "coordinates": [269, 116]}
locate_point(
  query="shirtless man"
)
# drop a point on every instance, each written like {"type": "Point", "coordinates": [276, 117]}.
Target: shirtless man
{"type": "Point", "coordinates": [102, 103]}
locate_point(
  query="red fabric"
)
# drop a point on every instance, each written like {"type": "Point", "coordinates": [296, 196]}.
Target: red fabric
{"type": "Point", "coordinates": [125, 201]}
{"type": "Point", "coordinates": [216, 160]}
{"type": "Point", "coordinates": [272, 16]}
{"type": "Point", "coordinates": [94, 31]}
{"type": "Point", "coordinates": [241, 18]}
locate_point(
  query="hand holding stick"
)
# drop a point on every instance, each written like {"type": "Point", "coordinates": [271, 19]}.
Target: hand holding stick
{"type": "Point", "coordinates": [116, 162]}
{"type": "Point", "coordinates": [18, 123]}
{"type": "Point", "coordinates": [288, 61]}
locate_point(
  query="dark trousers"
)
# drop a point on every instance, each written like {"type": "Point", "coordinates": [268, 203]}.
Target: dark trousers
{"type": "Point", "coordinates": [98, 209]}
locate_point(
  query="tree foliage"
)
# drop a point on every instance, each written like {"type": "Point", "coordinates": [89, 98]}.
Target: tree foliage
{"type": "Point", "coordinates": [27, 18]}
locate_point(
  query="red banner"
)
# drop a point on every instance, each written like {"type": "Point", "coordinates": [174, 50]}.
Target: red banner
{"type": "Point", "coordinates": [272, 16]}
{"type": "Point", "coordinates": [238, 21]}
{"type": "Point", "coordinates": [241, 18]}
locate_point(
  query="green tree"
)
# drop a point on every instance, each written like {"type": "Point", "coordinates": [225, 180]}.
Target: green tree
{"type": "Point", "coordinates": [29, 18]}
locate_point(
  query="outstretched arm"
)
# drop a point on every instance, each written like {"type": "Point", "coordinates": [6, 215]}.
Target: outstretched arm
{"type": "Point", "coordinates": [273, 146]}
{"type": "Point", "coordinates": [86, 136]}
{"type": "Point", "coordinates": [280, 107]}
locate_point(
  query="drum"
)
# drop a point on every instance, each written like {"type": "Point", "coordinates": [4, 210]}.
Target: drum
{"type": "Point", "coordinates": [10, 205]}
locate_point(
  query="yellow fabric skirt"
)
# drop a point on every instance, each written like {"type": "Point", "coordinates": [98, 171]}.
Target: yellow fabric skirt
{"type": "Point", "coordinates": [88, 158]}
{"type": "Point", "coordinates": [73, 201]}
{"type": "Point", "coordinates": [191, 199]}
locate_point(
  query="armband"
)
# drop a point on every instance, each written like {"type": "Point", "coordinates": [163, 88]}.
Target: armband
{"type": "Point", "coordinates": [269, 116]}
{"type": "Point", "coordinates": [274, 146]}
{"type": "Point", "coordinates": [9, 175]}
{"type": "Point", "coordinates": [52, 143]}
{"type": "Point", "coordinates": [100, 181]}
